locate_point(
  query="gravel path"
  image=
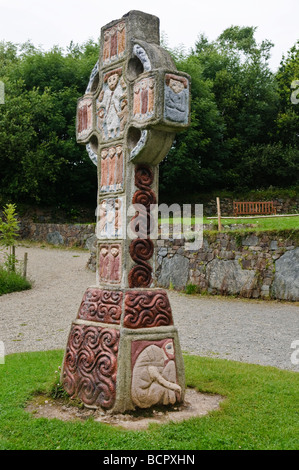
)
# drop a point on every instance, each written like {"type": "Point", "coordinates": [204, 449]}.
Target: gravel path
{"type": "Point", "coordinates": [259, 332]}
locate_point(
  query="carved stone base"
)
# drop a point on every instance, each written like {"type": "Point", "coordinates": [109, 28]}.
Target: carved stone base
{"type": "Point", "coordinates": [123, 351]}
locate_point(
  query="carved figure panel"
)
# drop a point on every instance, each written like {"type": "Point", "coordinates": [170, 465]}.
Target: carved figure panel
{"type": "Point", "coordinates": [110, 263]}
{"type": "Point", "coordinates": [84, 117]}
{"type": "Point", "coordinates": [112, 106]}
{"type": "Point", "coordinates": [112, 169]}
{"type": "Point", "coordinates": [90, 365]}
{"type": "Point", "coordinates": [114, 43]}
{"type": "Point", "coordinates": [101, 305]}
{"type": "Point", "coordinates": [144, 99]}
{"type": "Point", "coordinates": [110, 216]}
{"type": "Point", "coordinates": [146, 309]}
{"type": "Point", "coordinates": [176, 98]}
{"type": "Point", "coordinates": [154, 377]}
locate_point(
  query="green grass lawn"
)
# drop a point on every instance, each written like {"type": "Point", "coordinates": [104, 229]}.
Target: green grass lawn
{"type": "Point", "coordinates": [261, 410]}
{"type": "Point", "coordinates": [262, 224]}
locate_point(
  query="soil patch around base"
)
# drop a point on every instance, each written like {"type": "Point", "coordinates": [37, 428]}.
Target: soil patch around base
{"type": "Point", "coordinates": [196, 404]}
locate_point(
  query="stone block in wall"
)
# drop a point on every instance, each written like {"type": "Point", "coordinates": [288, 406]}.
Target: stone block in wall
{"type": "Point", "coordinates": [175, 271]}
{"type": "Point", "coordinates": [228, 277]}
{"type": "Point", "coordinates": [286, 280]}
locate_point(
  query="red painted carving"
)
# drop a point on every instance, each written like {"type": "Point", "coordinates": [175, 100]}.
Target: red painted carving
{"type": "Point", "coordinates": [142, 248]}
{"type": "Point", "coordinates": [146, 309]}
{"type": "Point", "coordinates": [90, 365]}
{"type": "Point", "coordinates": [101, 306]}
{"type": "Point", "coordinates": [110, 263]}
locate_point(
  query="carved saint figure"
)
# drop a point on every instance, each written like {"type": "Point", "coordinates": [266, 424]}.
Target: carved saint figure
{"type": "Point", "coordinates": [109, 104]}
{"type": "Point", "coordinates": [176, 98]}
{"type": "Point", "coordinates": [104, 170]}
{"type": "Point", "coordinates": [119, 167]}
{"type": "Point", "coordinates": [104, 263]}
{"type": "Point", "coordinates": [114, 264]}
{"type": "Point", "coordinates": [112, 167]}
{"type": "Point", "coordinates": [154, 377]}
{"type": "Point", "coordinates": [121, 38]}
{"type": "Point", "coordinates": [110, 263]}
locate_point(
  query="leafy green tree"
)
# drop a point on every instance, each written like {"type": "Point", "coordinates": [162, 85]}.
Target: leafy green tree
{"type": "Point", "coordinates": [288, 116]}
{"type": "Point", "coordinates": [40, 160]}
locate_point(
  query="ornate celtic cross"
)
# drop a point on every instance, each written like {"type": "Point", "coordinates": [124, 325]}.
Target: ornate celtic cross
{"type": "Point", "coordinates": [123, 349]}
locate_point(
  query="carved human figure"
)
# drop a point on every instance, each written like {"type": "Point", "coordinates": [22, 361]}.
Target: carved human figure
{"type": "Point", "coordinates": [106, 49]}
{"type": "Point", "coordinates": [154, 377]}
{"type": "Point", "coordinates": [121, 38]}
{"type": "Point", "coordinates": [114, 259]}
{"type": "Point", "coordinates": [118, 217]}
{"type": "Point", "coordinates": [144, 97]}
{"type": "Point", "coordinates": [113, 43]}
{"type": "Point", "coordinates": [151, 95]}
{"type": "Point", "coordinates": [104, 169]}
{"type": "Point", "coordinates": [112, 167]}
{"type": "Point", "coordinates": [102, 216]}
{"type": "Point", "coordinates": [109, 101]}
{"type": "Point", "coordinates": [119, 167]}
{"type": "Point", "coordinates": [137, 100]}
{"type": "Point", "coordinates": [176, 98]}
{"type": "Point", "coordinates": [104, 264]}
{"type": "Point", "coordinates": [123, 114]}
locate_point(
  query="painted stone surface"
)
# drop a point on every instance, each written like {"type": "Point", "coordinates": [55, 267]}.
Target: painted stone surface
{"type": "Point", "coordinates": [110, 218]}
{"type": "Point", "coordinates": [176, 98]}
{"type": "Point", "coordinates": [112, 169]}
{"type": "Point", "coordinates": [84, 117]}
{"type": "Point", "coordinates": [112, 103]}
{"type": "Point", "coordinates": [144, 99]}
{"type": "Point", "coordinates": [147, 309]}
{"type": "Point", "coordinates": [101, 306]}
{"type": "Point", "coordinates": [90, 365]}
{"type": "Point", "coordinates": [134, 104]}
{"type": "Point", "coordinates": [154, 374]}
{"type": "Point", "coordinates": [110, 263]}
{"type": "Point", "coordinates": [114, 43]}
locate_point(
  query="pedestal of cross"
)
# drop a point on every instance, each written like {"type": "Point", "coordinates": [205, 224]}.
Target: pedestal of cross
{"type": "Point", "coordinates": [123, 349]}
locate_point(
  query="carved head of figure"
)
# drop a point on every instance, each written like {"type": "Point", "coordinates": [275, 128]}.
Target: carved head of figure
{"type": "Point", "coordinates": [114, 251]}
{"type": "Point", "coordinates": [176, 85]}
{"type": "Point", "coordinates": [113, 81]}
{"type": "Point", "coordinates": [168, 350]}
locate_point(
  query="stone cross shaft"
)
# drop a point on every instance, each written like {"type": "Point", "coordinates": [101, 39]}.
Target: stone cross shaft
{"type": "Point", "coordinates": [123, 350]}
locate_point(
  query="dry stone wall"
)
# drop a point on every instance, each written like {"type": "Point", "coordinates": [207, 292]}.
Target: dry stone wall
{"type": "Point", "coordinates": [257, 265]}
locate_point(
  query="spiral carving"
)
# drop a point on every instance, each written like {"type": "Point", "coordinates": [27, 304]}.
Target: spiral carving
{"type": "Point", "coordinates": [142, 248]}
{"type": "Point", "coordinates": [144, 176]}
{"type": "Point", "coordinates": [90, 365]}
{"type": "Point", "coordinates": [101, 306]}
{"type": "Point", "coordinates": [147, 309]}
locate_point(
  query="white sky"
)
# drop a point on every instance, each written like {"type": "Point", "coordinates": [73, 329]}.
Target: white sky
{"type": "Point", "coordinates": [58, 22]}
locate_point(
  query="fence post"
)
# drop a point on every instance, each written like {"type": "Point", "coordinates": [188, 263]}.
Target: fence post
{"type": "Point", "coordinates": [219, 214]}
{"type": "Point", "coordinates": [25, 265]}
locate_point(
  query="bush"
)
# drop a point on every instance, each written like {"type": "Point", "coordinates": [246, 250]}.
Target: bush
{"type": "Point", "coordinates": [11, 281]}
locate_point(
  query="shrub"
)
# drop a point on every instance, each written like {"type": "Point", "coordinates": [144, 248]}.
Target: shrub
{"type": "Point", "coordinates": [11, 281]}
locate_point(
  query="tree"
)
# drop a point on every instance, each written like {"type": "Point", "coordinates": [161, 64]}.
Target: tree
{"type": "Point", "coordinates": [234, 105]}
{"type": "Point", "coordinates": [287, 78]}
{"type": "Point", "coordinates": [40, 160]}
